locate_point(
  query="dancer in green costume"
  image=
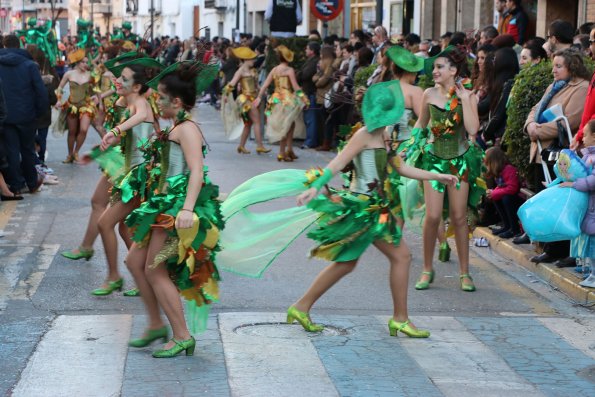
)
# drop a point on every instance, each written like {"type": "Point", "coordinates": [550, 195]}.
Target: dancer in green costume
{"type": "Point", "coordinates": [449, 111]}
{"type": "Point", "coordinates": [176, 230]}
{"type": "Point", "coordinates": [347, 221]}
{"type": "Point", "coordinates": [132, 133]}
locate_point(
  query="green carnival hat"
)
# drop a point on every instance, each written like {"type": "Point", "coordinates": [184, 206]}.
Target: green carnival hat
{"type": "Point", "coordinates": [383, 105]}
{"type": "Point", "coordinates": [127, 56]}
{"type": "Point", "coordinates": [127, 25]}
{"type": "Point", "coordinates": [205, 76]}
{"type": "Point", "coordinates": [429, 62]}
{"type": "Point", "coordinates": [405, 59]}
{"type": "Point", "coordinates": [146, 62]}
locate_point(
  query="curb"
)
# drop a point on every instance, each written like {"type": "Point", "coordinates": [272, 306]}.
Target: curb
{"type": "Point", "coordinates": [560, 279]}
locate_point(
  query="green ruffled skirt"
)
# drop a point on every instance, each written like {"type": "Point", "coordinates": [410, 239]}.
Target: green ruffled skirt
{"type": "Point", "coordinates": [468, 167]}
{"type": "Point", "coordinates": [191, 268]}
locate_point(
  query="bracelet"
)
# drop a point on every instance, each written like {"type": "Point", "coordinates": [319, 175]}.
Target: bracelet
{"type": "Point", "coordinates": [317, 178]}
{"type": "Point", "coordinates": [184, 209]}
{"type": "Point", "coordinates": [116, 131]}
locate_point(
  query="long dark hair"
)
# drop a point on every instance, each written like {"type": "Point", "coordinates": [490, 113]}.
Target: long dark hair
{"type": "Point", "coordinates": [506, 66]}
{"type": "Point", "coordinates": [482, 79]}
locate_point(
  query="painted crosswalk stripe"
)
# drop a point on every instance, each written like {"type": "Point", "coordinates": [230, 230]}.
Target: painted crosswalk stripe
{"type": "Point", "coordinates": [79, 356]}
{"type": "Point", "coordinates": [271, 360]}
{"type": "Point", "coordinates": [580, 334]}
{"type": "Point", "coordinates": [461, 365]}
{"type": "Point", "coordinates": [535, 353]}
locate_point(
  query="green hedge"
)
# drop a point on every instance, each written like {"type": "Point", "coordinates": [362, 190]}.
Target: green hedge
{"type": "Point", "coordinates": [529, 86]}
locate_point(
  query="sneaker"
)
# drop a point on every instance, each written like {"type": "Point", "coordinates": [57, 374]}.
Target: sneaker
{"type": "Point", "coordinates": [588, 282]}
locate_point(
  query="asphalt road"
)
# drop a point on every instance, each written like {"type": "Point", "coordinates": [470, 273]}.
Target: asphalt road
{"type": "Point", "coordinates": [38, 286]}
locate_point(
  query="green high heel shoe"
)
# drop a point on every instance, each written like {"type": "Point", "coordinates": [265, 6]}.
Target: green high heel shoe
{"type": "Point", "coordinates": [444, 253]}
{"type": "Point", "coordinates": [303, 318]}
{"type": "Point", "coordinates": [132, 292]}
{"type": "Point", "coordinates": [180, 346]}
{"type": "Point", "coordinates": [394, 327]}
{"type": "Point", "coordinates": [81, 254]}
{"type": "Point", "coordinates": [467, 286]}
{"type": "Point", "coordinates": [426, 283]}
{"type": "Point", "coordinates": [111, 287]}
{"type": "Point", "coordinates": [149, 337]}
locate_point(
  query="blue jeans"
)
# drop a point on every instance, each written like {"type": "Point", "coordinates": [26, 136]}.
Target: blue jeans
{"type": "Point", "coordinates": [41, 139]}
{"type": "Point", "coordinates": [311, 121]}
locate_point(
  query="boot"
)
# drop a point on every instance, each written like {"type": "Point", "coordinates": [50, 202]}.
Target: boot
{"type": "Point", "coordinates": [589, 281]}
{"type": "Point", "coordinates": [325, 147]}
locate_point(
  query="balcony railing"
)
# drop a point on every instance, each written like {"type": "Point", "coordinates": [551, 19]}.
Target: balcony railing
{"type": "Point", "coordinates": [218, 4]}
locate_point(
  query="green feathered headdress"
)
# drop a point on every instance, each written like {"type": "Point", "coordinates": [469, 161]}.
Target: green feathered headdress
{"type": "Point", "coordinates": [204, 77]}
{"type": "Point", "coordinates": [127, 56]}
{"type": "Point", "coordinates": [146, 62]}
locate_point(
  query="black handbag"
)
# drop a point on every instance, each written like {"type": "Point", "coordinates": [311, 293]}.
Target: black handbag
{"type": "Point", "coordinates": [550, 154]}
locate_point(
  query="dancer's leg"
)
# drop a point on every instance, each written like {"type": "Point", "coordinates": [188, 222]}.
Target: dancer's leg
{"type": "Point", "coordinates": [434, 203]}
{"type": "Point", "coordinates": [400, 261]}
{"type": "Point", "coordinates": [165, 290]}
{"type": "Point", "coordinates": [323, 282]}
{"type": "Point", "coordinates": [457, 202]}
{"type": "Point", "coordinates": [73, 129]}
{"type": "Point", "coordinates": [84, 123]}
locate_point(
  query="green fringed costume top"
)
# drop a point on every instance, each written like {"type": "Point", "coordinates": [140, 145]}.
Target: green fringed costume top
{"type": "Point", "coordinates": [134, 145]}
{"type": "Point", "coordinates": [343, 223]}
{"type": "Point", "coordinates": [351, 220]}
{"type": "Point", "coordinates": [444, 148]}
{"type": "Point", "coordinates": [189, 254]}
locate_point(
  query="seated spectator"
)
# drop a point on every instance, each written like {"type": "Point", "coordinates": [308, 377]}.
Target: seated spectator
{"type": "Point", "coordinates": [569, 90]}
{"type": "Point", "coordinates": [505, 195]}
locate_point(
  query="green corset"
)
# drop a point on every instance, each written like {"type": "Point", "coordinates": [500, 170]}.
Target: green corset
{"type": "Point", "coordinates": [447, 146]}
{"type": "Point", "coordinates": [139, 135]}
{"type": "Point", "coordinates": [370, 166]}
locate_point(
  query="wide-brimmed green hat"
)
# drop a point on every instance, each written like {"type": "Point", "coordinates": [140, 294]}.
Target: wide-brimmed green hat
{"type": "Point", "coordinates": [127, 56]}
{"type": "Point", "coordinates": [146, 62]}
{"type": "Point", "coordinates": [405, 59]}
{"type": "Point", "coordinates": [429, 62]}
{"type": "Point", "coordinates": [206, 74]}
{"type": "Point", "coordinates": [383, 104]}
{"type": "Point", "coordinates": [127, 25]}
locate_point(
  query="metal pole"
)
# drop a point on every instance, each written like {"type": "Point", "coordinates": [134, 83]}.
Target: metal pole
{"type": "Point", "coordinates": [92, 12]}
{"type": "Point", "coordinates": [379, 9]}
{"type": "Point", "coordinates": [23, 15]}
{"type": "Point", "coordinates": [238, 15]}
{"type": "Point", "coordinates": [152, 20]}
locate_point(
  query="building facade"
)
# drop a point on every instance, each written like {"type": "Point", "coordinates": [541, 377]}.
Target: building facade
{"type": "Point", "coordinates": [186, 18]}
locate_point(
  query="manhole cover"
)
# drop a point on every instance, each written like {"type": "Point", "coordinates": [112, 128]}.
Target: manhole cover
{"type": "Point", "coordinates": [588, 373]}
{"type": "Point", "coordinates": [284, 330]}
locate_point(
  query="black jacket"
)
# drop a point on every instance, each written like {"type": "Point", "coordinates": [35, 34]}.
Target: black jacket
{"type": "Point", "coordinates": [24, 91]}
{"type": "Point", "coordinates": [304, 76]}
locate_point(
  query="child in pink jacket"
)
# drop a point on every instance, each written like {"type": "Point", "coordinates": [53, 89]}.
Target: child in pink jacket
{"type": "Point", "coordinates": [506, 194]}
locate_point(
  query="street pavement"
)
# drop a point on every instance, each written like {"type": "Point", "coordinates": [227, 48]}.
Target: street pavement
{"type": "Point", "coordinates": [514, 336]}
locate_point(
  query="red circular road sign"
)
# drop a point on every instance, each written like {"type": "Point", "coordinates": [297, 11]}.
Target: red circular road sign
{"type": "Point", "coordinates": [326, 10]}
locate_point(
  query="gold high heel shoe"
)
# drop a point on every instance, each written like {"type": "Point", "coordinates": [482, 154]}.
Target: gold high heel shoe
{"type": "Point", "coordinates": [284, 157]}
{"type": "Point", "coordinates": [394, 327]}
{"type": "Point", "coordinates": [303, 318]}
{"type": "Point", "coordinates": [291, 154]}
{"type": "Point", "coordinates": [243, 150]}
{"type": "Point", "coordinates": [263, 149]}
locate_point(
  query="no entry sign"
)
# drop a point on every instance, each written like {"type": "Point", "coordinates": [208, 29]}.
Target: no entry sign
{"type": "Point", "coordinates": [325, 10]}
